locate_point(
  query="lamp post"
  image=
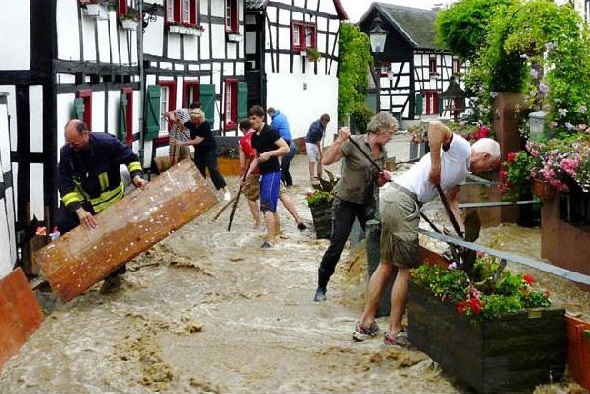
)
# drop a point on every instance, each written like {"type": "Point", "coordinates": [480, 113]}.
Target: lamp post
{"type": "Point", "coordinates": [377, 36]}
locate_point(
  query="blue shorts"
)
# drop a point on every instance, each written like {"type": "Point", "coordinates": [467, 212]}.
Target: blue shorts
{"type": "Point", "coordinates": [270, 185]}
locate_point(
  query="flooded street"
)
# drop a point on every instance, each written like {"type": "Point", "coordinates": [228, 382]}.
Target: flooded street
{"type": "Point", "coordinates": [206, 310]}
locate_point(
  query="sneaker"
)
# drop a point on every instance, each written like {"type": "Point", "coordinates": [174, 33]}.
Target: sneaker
{"type": "Point", "coordinates": [111, 284]}
{"type": "Point", "coordinates": [362, 333]}
{"type": "Point", "coordinates": [265, 245]}
{"type": "Point", "coordinates": [320, 294]}
{"type": "Point", "coordinates": [399, 339]}
{"type": "Point", "coordinates": [226, 196]}
{"type": "Point", "coordinates": [301, 226]}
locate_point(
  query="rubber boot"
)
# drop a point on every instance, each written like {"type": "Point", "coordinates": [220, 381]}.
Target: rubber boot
{"type": "Point", "coordinates": [320, 293]}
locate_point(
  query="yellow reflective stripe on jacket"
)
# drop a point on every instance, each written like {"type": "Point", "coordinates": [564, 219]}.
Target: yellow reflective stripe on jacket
{"type": "Point", "coordinates": [134, 166]}
{"type": "Point", "coordinates": [103, 178]}
{"type": "Point", "coordinates": [71, 198]}
{"type": "Point", "coordinates": [108, 198]}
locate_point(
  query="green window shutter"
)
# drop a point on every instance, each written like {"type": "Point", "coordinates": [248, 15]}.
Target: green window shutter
{"type": "Point", "coordinates": [418, 104]}
{"type": "Point", "coordinates": [123, 118]}
{"type": "Point", "coordinates": [207, 98]}
{"type": "Point", "coordinates": [152, 113]}
{"type": "Point", "coordinates": [440, 104]}
{"type": "Point", "coordinates": [79, 108]}
{"type": "Point", "coordinates": [242, 100]}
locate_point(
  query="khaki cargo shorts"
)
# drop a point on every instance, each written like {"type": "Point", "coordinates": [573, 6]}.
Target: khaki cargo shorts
{"type": "Point", "coordinates": [400, 217]}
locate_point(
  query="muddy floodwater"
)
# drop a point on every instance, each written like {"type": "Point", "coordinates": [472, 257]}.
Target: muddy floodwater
{"type": "Point", "coordinates": [206, 310]}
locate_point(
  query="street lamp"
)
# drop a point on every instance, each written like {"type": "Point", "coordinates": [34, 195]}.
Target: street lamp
{"type": "Point", "coordinates": [377, 36]}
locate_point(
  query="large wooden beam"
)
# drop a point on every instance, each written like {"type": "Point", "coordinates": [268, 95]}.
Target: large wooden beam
{"type": "Point", "coordinates": [83, 257]}
{"type": "Point", "coordinates": [20, 314]}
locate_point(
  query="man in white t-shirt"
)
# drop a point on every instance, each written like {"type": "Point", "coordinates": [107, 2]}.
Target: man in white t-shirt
{"type": "Point", "coordinates": [450, 160]}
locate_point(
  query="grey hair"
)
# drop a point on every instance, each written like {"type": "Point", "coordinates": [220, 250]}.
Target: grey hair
{"type": "Point", "coordinates": [382, 121]}
{"type": "Point", "coordinates": [487, 145]}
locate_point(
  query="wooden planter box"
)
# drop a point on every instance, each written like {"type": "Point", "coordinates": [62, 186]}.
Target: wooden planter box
{"type": "Point", "coordinates": [228, 165]}
{"type": "Point", "coordinates": [578, 350]}
{"type": "Point", "coordinates": [322, 220]}
{"type": "Point", "coordinates": [514, 353]}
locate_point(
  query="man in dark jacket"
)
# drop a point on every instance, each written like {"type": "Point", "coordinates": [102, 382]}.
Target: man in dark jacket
{"type": "Point", "coordinates": [89, 178]}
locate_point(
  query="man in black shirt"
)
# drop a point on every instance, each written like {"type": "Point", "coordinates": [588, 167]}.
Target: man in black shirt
{"type": "Point", "coordinates": [269, 146]}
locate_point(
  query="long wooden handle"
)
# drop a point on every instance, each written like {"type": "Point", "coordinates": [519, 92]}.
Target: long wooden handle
{"type": "Point", "coordinates": [452, 217]}
{"type": "Point", "coordinates": [233, 209]}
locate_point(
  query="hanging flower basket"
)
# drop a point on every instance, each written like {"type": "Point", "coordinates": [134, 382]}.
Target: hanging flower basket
{"type": "Point", "coordinates": [544, 190]}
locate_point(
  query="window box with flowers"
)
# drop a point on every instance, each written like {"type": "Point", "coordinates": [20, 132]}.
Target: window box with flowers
{"type": "Point", "coordinates": [93, 8]}
{"type": "Point", "coordinates": [313, 55]}
{"type": "Point", "coordinates": [186, 28]}
{"type": "Point", "coordinates": [130, 20]}
{"type": "Point", "coordinates": [495, 331]}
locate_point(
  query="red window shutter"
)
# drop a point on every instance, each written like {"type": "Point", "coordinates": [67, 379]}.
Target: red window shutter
{"type": "Point", "coordinates": [177, 11]}
{"type": "Point", "coordinates": [86, 95]}
{"type": "Point", "coordinates": [122, 7]}
{"type": "Point", "coordinates": [194, 13]}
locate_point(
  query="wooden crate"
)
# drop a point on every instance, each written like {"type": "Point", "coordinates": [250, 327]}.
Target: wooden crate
{"type": "Point", "coordinates": [82, 257]}
{"type": "Point", "coordinates": [514, 353]}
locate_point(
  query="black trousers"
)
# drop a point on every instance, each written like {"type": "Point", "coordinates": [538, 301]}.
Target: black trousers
{"type": "Point", "coordinates": [343, 215]}
{"type": "Point", "coordinates": [209, 160]}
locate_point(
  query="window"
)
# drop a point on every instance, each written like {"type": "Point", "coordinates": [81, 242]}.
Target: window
{"type": "Point", "coordinates": [383, 68]}
{"type": "Point", "coordinates": [85, 98]}
{"type": "Point", "coordinates": [432, 65]}
{"type": "Point", "coordinates": [183, 12]}
{"type": "Point", "coordinates": [167, 103]}
{"type": "Point", "coordinates": [231, 104]}
{"type": "Point", "coordinates": [456, 66]}
{"type": "Point", "coordinates": [303, 36]}
{"type": "Point", "coordinates": [430, 102]}
{"type": "Point", "coordinates": [231, 16]}
{"type": "Point", "coordinates": [190, 93]}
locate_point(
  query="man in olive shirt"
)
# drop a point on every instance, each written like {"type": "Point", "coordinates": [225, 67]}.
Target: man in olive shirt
{"type": "Point", "coordinates": [356, 192]}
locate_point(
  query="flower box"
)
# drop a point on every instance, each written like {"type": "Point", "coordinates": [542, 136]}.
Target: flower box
{"type": "Point", "coordinates": [578, 350]}
{"type": "Point", "coordinates": [543, 190]}
{"type": "Point", "coordinates": [322, 219]}
{"type": "Point", "coordinates": [129, 24]}
{"type": "Point", "coordinates": [188, 30]}
{"type": "Point", "coordinates": [93, 10]}
{"type": "Point", "coordinates": [515, 352]}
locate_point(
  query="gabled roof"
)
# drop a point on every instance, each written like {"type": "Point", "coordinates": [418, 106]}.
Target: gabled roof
{"type": "Point", "coordinates": [262, 4]}
{"type": "Point", "coordinates": [415, 25]}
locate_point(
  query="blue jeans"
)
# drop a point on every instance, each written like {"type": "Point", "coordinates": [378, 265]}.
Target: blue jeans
{"type": "Point", "coordinates": [286, 163]}
{"type": "Point", "coordinates": [343, 215]}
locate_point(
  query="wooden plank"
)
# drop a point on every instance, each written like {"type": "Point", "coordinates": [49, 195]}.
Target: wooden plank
{"type": "Point", "coordinates": [20, 314]}
{"type": "Point", "coordinates": [83, 257]}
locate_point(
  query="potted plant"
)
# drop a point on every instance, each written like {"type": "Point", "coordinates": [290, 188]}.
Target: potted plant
{"type": "Point", "coordinates": [320, 205]}
{"type": "Point", "coordinates": [130, 20]}
{"type": "Point", "coordinates": [495, 330]}
{"type": "Point", "coordinates": [313, 55]}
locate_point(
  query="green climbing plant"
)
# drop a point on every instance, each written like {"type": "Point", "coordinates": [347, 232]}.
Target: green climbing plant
{"type": "Point", "coordinates": [355, 60]}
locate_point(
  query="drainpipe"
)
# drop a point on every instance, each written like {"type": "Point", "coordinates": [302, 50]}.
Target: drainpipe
{"type": "Point", "coordinates": [141, 81]}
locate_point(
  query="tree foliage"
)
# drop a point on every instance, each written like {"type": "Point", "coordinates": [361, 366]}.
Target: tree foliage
{"type": "Point", "coordinates": [355, 60]}
{"type": "Point", "coordinates": [462, 27]}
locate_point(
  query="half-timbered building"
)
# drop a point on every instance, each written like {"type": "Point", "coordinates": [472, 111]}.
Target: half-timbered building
{"type": "Point", "coordinates": [292, 58]}
{"type": "Point", "coordinates": [117, 65]}
{"type": "Point", "coordinates": [410, 73]}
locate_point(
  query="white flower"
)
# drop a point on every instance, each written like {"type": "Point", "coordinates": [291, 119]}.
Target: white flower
{"type": "Point", "coordinates": [562, 112]}
{"type": "Point", "coordinates": [569, 126]}
{"type": "Point", "coordinates": [582, 109]}
{"type": "Point", "coordinates": [549, 46]}
{"type": "Point", "coordinates": [534, 73]}
{"type": "Point", "coordinates": [524, 56]}
{"type": "Point", "coordinates": [493, 94]}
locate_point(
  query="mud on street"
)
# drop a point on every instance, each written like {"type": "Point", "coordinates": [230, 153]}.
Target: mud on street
{"type": "Point", "coordinates": [206, 310]}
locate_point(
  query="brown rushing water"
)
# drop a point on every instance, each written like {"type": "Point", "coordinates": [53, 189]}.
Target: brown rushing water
{"type": "Point", "coordinates": [207, 311]}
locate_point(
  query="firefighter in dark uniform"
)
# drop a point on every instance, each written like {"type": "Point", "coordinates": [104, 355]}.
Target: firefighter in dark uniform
{"type": "Point", "coordinates": [89, 180]}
